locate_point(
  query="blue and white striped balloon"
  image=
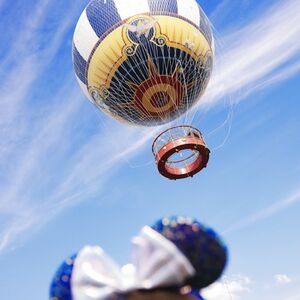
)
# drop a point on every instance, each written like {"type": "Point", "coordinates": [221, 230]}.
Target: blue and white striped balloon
{"type": "Point", "coordinates": [144, 62]}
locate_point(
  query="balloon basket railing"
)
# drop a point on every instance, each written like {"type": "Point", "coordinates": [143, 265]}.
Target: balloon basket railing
{"type": "Point", "coordinates": [180, 152]}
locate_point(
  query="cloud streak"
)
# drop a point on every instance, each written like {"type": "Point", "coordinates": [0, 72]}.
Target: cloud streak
{"type": "Point", "coordinates": [282, 279]}
{"type": "Point", "coordinates": [295, 297]}
{"type": "Point", "coordinates": [228, 289]}
{"type": "Point", "coordinates": [266, 213]}
{"type": "Point", "coordinates": [259, 54]}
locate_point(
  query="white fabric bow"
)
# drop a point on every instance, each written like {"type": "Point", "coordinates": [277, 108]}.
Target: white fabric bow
{"type": "Point", "coordinates": [157, 263]}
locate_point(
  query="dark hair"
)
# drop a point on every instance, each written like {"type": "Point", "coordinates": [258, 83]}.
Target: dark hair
{"type": "Point", "coordinates": [157, 295]}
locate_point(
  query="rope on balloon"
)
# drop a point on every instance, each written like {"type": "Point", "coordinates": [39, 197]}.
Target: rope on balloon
{"type": "Point", "coordinates": [179, 64]}
{"type": "Point", "coordinates": [230, 115]}
{"type": "Point", "coordinates": [138, 58]}
{"type": "Point", "coordinates": [228, 120]}
{"type": "Point", "coordinates": [166, 66]}
{"type": "Point", "coordinates": [169, 63]}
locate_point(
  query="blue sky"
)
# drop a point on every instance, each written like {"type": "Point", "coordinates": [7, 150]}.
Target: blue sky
{"type": "Point", "coordinates": [70, 176]}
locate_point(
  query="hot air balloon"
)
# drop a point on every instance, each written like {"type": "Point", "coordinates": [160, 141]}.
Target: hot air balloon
{"type": "Point", "coordinates": [146, 63]}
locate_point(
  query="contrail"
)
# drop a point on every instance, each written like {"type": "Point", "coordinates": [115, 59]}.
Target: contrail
{"type": "Point", "coordinates": [265, 213]}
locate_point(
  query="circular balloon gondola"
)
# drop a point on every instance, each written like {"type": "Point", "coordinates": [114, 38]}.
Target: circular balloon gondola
{"type": "Point", "coordinates": [180, 152]}
{"type": "Point", "coordinates": [146, 63]}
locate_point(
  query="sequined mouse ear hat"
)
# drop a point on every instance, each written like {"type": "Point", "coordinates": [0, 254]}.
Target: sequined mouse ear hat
{"type": "Point", "coordinates": [201, 245]}
{"type": "Point", "coordinates": [177, 254]}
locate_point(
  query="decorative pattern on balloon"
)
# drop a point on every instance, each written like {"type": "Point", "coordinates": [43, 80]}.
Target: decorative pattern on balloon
{"type": "Point", "coordinates": [154, 65]}
{"type": "Point", "coordinates": [154, 68]}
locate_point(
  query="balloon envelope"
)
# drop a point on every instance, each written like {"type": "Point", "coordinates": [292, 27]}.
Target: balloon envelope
{"type": "Point", "coordinates": [144, 62]}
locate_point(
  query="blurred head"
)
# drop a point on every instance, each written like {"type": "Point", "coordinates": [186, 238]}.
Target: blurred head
{"type": "Point", "coordinates": [176, 252]}
{"type": "Point", "coordinates": [157, 295]}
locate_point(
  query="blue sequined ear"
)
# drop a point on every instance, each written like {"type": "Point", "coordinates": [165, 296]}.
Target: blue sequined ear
{"type": "Point", "coordinates": [60, 288]}
{"type": "Point", "coordinates": [201, 245]}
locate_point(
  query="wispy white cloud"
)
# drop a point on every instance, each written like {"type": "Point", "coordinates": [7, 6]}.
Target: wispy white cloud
{"type": "Point", "coordinates": [1, 3]}
{"type": "Point", "coordinates": [294, 297]}
{"type": "Point", "coordinates": [23, 66]}
{"type": "Point", "coordinates": [228, 289]}
{"type": "Point", "coordinates": [242, 287]}
{"type": "Point", "coordinates": [50, 161]}
{"type": "Point", "coordinates": [282, 278]}
{"type": "Point", "coordinates": [253, 56]}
